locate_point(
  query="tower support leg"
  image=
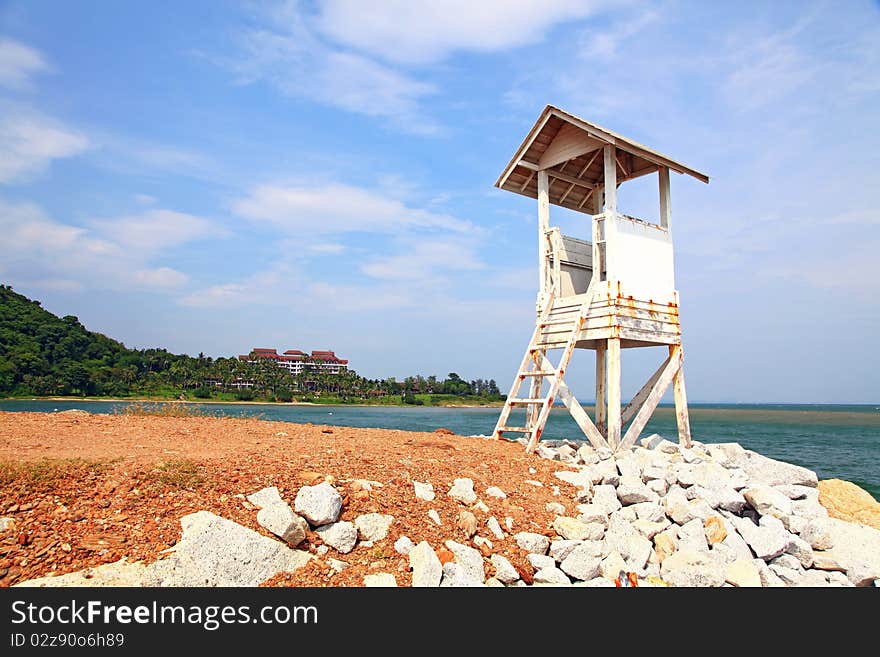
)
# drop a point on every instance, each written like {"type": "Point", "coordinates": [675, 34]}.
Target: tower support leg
{"type": "Point", "coordinates": [681, 403]}
{"type": "Point", "coordinates": [612, 392]}
{"type": "Point", "coordinates": [600, 390]}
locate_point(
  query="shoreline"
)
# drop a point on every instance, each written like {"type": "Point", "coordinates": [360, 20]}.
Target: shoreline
{"type": "Point", "coordinates": [238, 402]}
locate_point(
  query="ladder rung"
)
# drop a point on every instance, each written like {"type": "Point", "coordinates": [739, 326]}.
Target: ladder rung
{"type": "Point", "coordinates": [514, 429]}
{"type": "Point", "coordinates": [556, 322]}
{"type": "Point", "coordinates": [526, 400]}
{"type": "Point", "coordinates": [537, 373]}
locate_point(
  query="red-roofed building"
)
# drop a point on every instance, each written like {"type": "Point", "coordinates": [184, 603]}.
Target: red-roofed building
{"type": "Point", "coordinates": [297, 362]}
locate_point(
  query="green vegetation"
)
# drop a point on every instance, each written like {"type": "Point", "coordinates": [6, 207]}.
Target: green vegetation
{"type": "Point", "coordinates": [45, 355]}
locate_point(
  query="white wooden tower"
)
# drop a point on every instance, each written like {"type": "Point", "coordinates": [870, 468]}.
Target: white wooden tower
{"type": "Point", "coordinates": [615, 291]}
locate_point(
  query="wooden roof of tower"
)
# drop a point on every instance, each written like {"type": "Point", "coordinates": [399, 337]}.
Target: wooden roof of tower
{"type": "Point", "coordinates": [570, 149]}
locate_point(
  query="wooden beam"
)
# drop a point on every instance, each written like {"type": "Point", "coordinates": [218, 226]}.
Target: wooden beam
{"type": "Point", "coordinates": [543, 225]}
{"type": "Point", "coordinates": [665, 201]}
{"type": "Point", "coordinates": [620, 164]}
{"type": "Point", "coordinates": [637, 401]}
{"type": "Point", "coordinates": [673, 366]}
{"type": "Point", "coordinates": [526, 183]}
{"type": "Point", "coordinates": [591, 431]}
{"type": "Point", "coordinates": [610, 180]}
{"type": "Point", "coordinates": [570, 141]}
{"type": "Point", "coordinates": [524, 147]}
{"type": "Point", "coordinates": [600, 388]}
{"type": "Point", "coordinates": [681, 402]}
{"type": "Point", "coordinates": [612, 392]}
{"type": "Point", "coordinates": [581, 173]}
{"type": "Point", "coordinates": [558, 174]}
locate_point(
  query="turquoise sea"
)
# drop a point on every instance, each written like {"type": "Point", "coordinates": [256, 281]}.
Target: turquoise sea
{"type": "Point", "coordinates": [836, 441]}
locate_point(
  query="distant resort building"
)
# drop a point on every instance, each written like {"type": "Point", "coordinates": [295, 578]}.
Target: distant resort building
{"type": "Point", "coordinates": [299, 362]}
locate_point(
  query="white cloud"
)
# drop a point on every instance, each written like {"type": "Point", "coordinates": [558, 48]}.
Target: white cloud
{"type": "Point", "coordinates": [422, 32]}
{"type": "Point", "coordinates": [423, 259]}
{"type": "Point", "coordinates": [28, 145]}
{"type": "Point", "coordinates": [767, 70]}
{"type": "Point", "coordinates": [45, 253]}
{"type": "Point", "coordinates": [18, 63]}
{"type": "Point", "coordinates": [335, 208]}
{"type": "Point", "coordinates": [156, 229]}
{"type": "Point", "coordinates": [604, 43]}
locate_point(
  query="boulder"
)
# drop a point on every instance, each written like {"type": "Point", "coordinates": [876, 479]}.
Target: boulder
{"type": "Point", "coordinates": [467, 522]}
{"type": "Point", "coordinates": [581, 563]}
{"type": "Point", "coordinates": [494, 491]}
{"type": "Point", "coordinates": [766, 500]}
{"type": "Point", "coordinates": [592, 513]}
{"type": "Point", "coordinates": [632, 546]}
{"type": "Point", "coordinates": [265, 497]}
{"type": "Point", "coordinates": [808, 508]}
{"type": "Point", "coordinates": [825, 561]}
{"type": "Point", "coordinates": [587, 455]}
{"type": "Point", "coordinates": [846, 501]}
{"type": "Point", "coordinates": [341, 536]}
{"type": "Point", "coordinates": [650, 529]}
{"type": "Point", "coordinates": [320, 504]}
{"type": "Point", "coordinates": [214, 551]}
{"type": "Point", "coordinates": [575, 530]}
{"type": "Point", "coordinates": [385, 580]}
{"type": "Point", "coordinates": [766, 540]}
{"type": "Point", "coordinates": [735, 542]}
{"type": "Point", "coordinates": [692, 537]}
{"type": "Point", "coordinates": [800, 550]}
{"type": "Point", "coordinates": [771, 472]}
{"type": "Point", "coordinates": [768, 577]}
{"type": "Point", "coordinates": [605, 498]}
{"type": "Point", "coordinates": [403, 545]}
{"type": "Point", "coordinates": [456, 575]}
{"type": "Point", "coordinates": [687, 568]}
{"type": "Point", "coordinates": [743, 572]}
{"type": "Point", "coordinates": [665, 543]}
{"type": "Point", "coordinates": [373, 526]}
{"type": "Point", "coordinates": [424, 490]}
{"type": "Point", "coordinates": [426, 567]}
{"type": "Point", "coordinates": [628, 468]}
{"type": "Point", "coordinates": [812, 578]}
{"type": "Point", "coordinates": [279, 518]}
{"type": "Point", "coordinates": [7, 524]}
{"type": "Point", "coordinates": [715, 529]}
{"type": "Point", "coordinates": [555, 508]}
{"type": "Point", "coordinates": [561, 548]}
{"type": "Point", "coordinates": [494, 527]}
{"type": "Point", "coordinates": [539, 561]}
{"type": "Point", "coordinates": [818, 534]}
{"type": "Point", "coordinates": [857, 549]}
{"type": "Point", "coordinates": [469, 559]}
{"type": "Point", "coordinates": [631, 490]}
{"type": "Point", "coordinates": [533, 543]}
{"type": "Point", "coordinates": [659, 486]}
{"type": "Point", "coordinates": [504, 570]}
{"type": "Point", "coordinates": [612, 565]}
{"type": "Point", "coordinates": [552, 577]}
{"type": "Point", "coordinates": [579, 479]}
{"type": "Point", "coordinates": [462, 490]}
{"type": "Point", "coordinates": [789, 576]}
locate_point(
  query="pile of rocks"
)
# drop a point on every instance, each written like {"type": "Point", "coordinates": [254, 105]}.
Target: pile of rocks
{"type": "Point", "coordinates": [709, 515]}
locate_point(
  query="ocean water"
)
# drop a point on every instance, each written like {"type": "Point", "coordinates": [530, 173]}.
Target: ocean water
{"type": "Point", "coordinates": [836, 441]}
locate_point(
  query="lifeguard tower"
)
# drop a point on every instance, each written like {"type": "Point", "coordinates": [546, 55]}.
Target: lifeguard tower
{"type": "Point", "coordinates": [614, 292]}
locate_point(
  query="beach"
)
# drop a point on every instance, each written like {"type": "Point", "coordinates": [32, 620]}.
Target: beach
{"type": "Point", "coordinates": [83, 490]}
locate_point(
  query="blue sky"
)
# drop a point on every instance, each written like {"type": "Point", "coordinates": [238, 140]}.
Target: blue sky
{"type": "Point", "coordinates": [213, 176]}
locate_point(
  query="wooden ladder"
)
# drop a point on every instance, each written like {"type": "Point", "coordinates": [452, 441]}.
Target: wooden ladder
{"type": "Point", "coordinates": [558, 326]}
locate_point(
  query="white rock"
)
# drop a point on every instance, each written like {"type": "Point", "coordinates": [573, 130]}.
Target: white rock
{"type": "Point", "coordinates": [795, 492]}
{"type": "Point", "coordinates": [581, 563]}
{"type": "Point", "coordinates": [631, 490]}
{"type": "Point", "coordinates": [456, 575]}
{"type": "Point", "coordinates": [494, 527]}
{"type": "Point", "coordinates": [604, 453]}
{"type": "Point", "coordinates": [426, 567]}
{"type": "Point", "coordinates": [824, 561]}
{"type": "Point", "coordinates": [575, 530]}
{"type": "Point", "coordinates": [481, 507]}
{"type": "Point", "coordinates": [279, 518]}
{"type": "Point", "coordinates": [650, 529]}
{"type": "Point", "coordinates": [539, 561]}
{"type": "Point", "coordinates": [494, 491]}
{"type": "Point", "coordinates": [856, 548]}
{"type": "Point", "coordinates": [592, 513]}
{"type": "Point", "coordinates": [628, 467]}
{"type": "Point", "coordinates": [433, 515]}
{"type": "Point", "coordinates": [424, 490]}
{"type": "Point", "coordinates": [555, 507]}
{"type": "Point", "coordinates": [743, 573]}
{"type": "Point", "coordinates": [403, 545]}
{"type": "Point", "coordinates": [612, 565]}
{"type": "Point", "coordinates": [504, 570]}
{"type": "Point", "coordinates": [649, 511]}
{"type": "Point", "coordinates": [605, 498]}
{"type": "Point", "coordinates": [685, 568]}
{"type": "Point", "coordinates": [800, 550]}
{"type": "Point", "coordinates": [775, 473]}
{"type": "Point", "coordinates": [493, 582]}
{"type": "Point", "coordinates": [632, 546]}
{"type": "Point", "coordinates": [653, 441]}
{"type": "Point", "coordinates": [579, 479]}
{"type": "Point", "coordinates": [7, 524]}
{"type": "Point", "coordinates": [546, 452]}
{"type": "Point", "coordinates": [839, 579]}
{"type": "Point", "coordinates": [587, 455]}
{"type": "Point", "coordinates": [768, 577]}
{"type": "Point", "coordinates": [659, 486]}
{"type": "Point", "coordinates": [320, 504]}
{"type": "Point", "coordinates": [380, 580]}
{"type": "Point", "coordinates": [508, 522]}
{"type": "Point", "coordinates": [735, 542]}
{"type": "Point", "coordinates": [469, 559]}
{"type": "Point", "coordinates": [533, 482]}
{"type": "Point", "coordinates": [652, 472]}
{"type": "Point", "coordinates": [725, 453]}
{"type": "Point", "coordinates": [373, 526]}
{"type": "Point", "coordinates": [692, 537]}
{"type": "Point", "coordinates": [321, 550]}
{"type": "Point", "coordinates": [766, 500]}
{"type": "Point", "coordinates": [561, 548]}
{"type": "Point", "coordinates": [766, 541]}
{"type": "Point", "coordinates": [482, 541]}
{"type": "Point", "coordinates": [551, 576]}
{"type": "Point", "coordinates": [214, 551]}
{"type": "Point", "coordinates": [787, 575]}
{"type": "Point", "coordinates": [533, 543]}
{"type": "Point", "coordinates": [812, 578]}
{"type": "Point", "coordinates": [265, 497]}
{"type": "Point", "coordinates": [341, 536]}
{"type": "Point", "coordinates": [708, 495]}
{"type": "Point", "coordinates": [337, 565]}
{"type": "Point", "coordinates": [817, 533]}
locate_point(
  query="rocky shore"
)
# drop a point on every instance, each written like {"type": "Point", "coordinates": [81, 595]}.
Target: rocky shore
{"type": "Point", "coordinates": [658, 515]}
